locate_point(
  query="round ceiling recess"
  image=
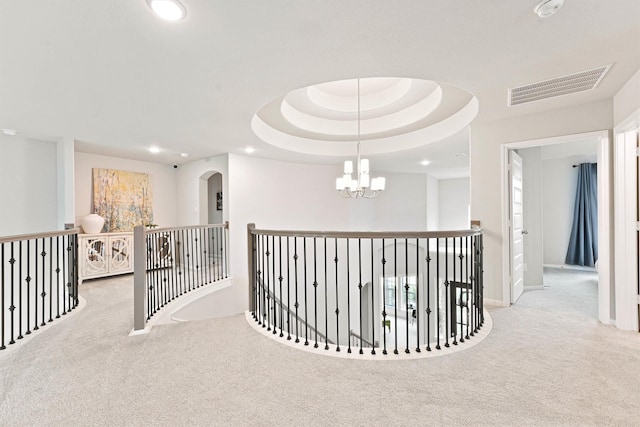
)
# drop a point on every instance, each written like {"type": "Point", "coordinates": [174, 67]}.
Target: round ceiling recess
{"type": "Point", "coordinates": [387, 114]}
{"type": "Point", "coordinates": [546, 8]}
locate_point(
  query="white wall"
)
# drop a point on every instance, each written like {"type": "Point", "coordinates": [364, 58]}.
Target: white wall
{"type": "Point", "coordinates": [401, 207]}
{"type": "Point", "coordinates": [627, 100]}
{"type": "Point", "coordinates": [486, 171]}
{"type": "Point", "coordinates": [433, 202]}
{"type": "Point", "coordinates": [28, 186]}
{"type": "Point", "coordinates": [453, 204]}
{"type": "Point", "coordinates": [188, 186]}
{"type": "Point", "coordinates": [532, 216]}
{"type": "Point", "coordinates": [559, 181]}
{"type": "Point", "coordinates": [163, 184]}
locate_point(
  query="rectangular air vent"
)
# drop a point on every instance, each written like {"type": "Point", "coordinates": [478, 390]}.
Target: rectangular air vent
{"type": "Point", "coordinates": [572, 83]}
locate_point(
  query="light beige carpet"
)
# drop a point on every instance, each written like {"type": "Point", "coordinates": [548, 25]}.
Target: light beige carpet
{"type": "Point", "coordinates": [547, 361]}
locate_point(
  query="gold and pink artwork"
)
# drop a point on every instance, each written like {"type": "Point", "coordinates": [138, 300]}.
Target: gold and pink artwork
{"type": "Point", "coordinates": [122, 198]}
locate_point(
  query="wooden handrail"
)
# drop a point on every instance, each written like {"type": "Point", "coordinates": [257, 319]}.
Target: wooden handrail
{"type": "Point", "coordinates": [371, 234]}
{"type": "Point", "coordinates": [32, 236]}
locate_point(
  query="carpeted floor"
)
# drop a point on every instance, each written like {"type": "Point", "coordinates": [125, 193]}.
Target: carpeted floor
{"type": "Point", "coordinates": [547, 361]}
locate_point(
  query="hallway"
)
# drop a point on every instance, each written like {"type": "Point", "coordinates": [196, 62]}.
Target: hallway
{"type": "Point", "coordinates": [540, 365]}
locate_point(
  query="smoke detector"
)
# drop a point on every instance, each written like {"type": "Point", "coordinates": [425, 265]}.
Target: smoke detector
{"type": "Point", "coordinates": [546, 8]}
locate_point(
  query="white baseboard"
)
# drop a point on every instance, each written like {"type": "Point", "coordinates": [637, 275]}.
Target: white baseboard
{"type": "Point", "coordinates": [570, 267]}
{"type": "Point", "coordinates": [534, 288]}
{"type": "Point", "coordinates": [495, 302]}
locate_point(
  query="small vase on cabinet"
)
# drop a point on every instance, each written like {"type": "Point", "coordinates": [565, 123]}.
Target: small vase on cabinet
{"type": "Point", "coordinates": [92, 223]}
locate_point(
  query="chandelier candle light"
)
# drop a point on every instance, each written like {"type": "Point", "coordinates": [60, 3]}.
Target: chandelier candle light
{"type": "Point", "coordinates": [362, 185]}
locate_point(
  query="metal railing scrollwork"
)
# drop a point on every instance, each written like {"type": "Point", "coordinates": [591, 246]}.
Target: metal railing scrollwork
{"type": "Point", "coordinates": [38, 282]}
{"type": "Point", "coordinates": [380, 291]}
{"type": "Point", "coordinates": [170, 262]}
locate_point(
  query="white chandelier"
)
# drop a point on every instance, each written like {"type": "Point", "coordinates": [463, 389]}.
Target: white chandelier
{"type": "Point", "coordinates": [362, 186]}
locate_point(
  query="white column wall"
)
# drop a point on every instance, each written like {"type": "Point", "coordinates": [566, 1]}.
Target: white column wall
{"type": "Point", "coordinates": [28, 186]}
{"type": "Point", "coordinates": [453, 204]}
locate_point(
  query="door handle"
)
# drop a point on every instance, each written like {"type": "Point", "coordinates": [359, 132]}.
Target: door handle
{"type": "Point", "coordinates": [525, 232]}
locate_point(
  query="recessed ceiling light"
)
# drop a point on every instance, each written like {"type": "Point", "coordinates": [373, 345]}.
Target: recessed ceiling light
{"type": "Point", "coordinates": [154, 150]}
{"type": "Point", "coordinates": [184, 154]}
{"type": "Point", "coordinates": [171, 10]}
{"type": "Point", "coordinates": [425, 162]}
{"type": "Point", "coordinates": [546, 8]}
{"type": "Point", "coordinates": [9, 132]}
{"type": "Point", "coordinates": [249, 150]}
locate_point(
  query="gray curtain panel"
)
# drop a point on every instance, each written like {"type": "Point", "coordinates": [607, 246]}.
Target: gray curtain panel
{"type": "Point", "coordinates": [583, 244]}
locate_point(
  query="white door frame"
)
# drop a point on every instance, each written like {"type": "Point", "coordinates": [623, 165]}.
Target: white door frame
{"type": "Point", "coordinates": [625, 206]}
{"type": "Point", "coordinates": [604, 214]}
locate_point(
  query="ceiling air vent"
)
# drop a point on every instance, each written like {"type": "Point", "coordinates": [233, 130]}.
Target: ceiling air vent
{"type": "Point", "coordinates": [578, 82]}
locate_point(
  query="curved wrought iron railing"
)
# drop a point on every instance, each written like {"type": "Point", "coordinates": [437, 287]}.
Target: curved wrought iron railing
{"type": "Point", "coordinates": [380, 291]}
{"type": "Point", "coordinates": [170, 262]}
{"type": "Point", "coordinates": [38, 282]}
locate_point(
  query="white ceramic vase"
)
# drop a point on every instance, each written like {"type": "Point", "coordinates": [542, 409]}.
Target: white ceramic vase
{"type": "Point", "coordinates": [92, 223]}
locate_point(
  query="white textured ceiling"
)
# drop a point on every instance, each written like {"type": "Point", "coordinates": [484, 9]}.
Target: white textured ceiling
{"type": "Point", "coordinates": [112, 75]}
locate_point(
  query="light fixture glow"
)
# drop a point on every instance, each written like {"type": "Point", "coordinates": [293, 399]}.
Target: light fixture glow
{"type": "Point", "coordinates": [547, 8]}
{"type": "Point", "coordinates": [9, 132]}
{"type": "Point", "coordinates": [249, 150]}
{"type": "Point", "coordinates": [171, 10]}
{"type": "Point", "coordinates": [425, 162]}
{"type": "Point", "coordinates": [154, 150]}
{"type": "Point", "coordinates": [363, 185]}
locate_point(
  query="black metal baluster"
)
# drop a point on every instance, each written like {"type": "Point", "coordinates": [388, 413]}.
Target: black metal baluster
{"type": "Point", "coordinates": [12, 307]}
{"type": "Point", "coordinates": [148, 275]}
{"type": "Point", "coordinates": [50, 279]}
{"type": "Point", "coordinates": [474, 268]}
{"type": "Point", "coordinates": [306, 306]}
{"type": "Point", "coordinates": [481, 274]}
{"type": "Point", "coordinates": [35, 285]}
{"type": "Point", "coordinates": [267, 277]}
{"type": "Point", "coordinates": [359, 291]}
{"type": "Point", "coordinates": [337, 304]}
{"type": "Point", "coordinates": [2, 280]}
{"type": "Point", "coordinates": [453, 294]}
{"type": "Point", "coordinates": [273, 273]}
{"type": "Point", "coordinates": [315, 287]}
{"type": "Point", "coordinates": [395, 297]}
{"type": "Point", "coordinates": [447, 319]}
{"type": "Point", "coordinates": [70, 260]}
{"type": "Point", "coordinates": [468, 284]}
{"type": "Point", "coordinates": [326, 313]}
{"type": "Point", "coordinates": [288, 294]}
{"type": "Point", "coordinates": [384, 303]}
{"type": "Point", "coordinates": [438, 293]}
{"type": "Point", "coordinates": [406, 289]}
{"type": "Point", "coordinates": [428, 309]}
{"type": "Point", "coordinates": [373, 309]}
{"type": "Point", "coordinates": [295, 270]}
{"type": "Point", "coordinates": [28, 285]}
{"type": "Point", "coordinates": [44, 269]}
{"type": "Point", "coordinates": [173, 262]}
{"type": "Point", "coordinates": [280, 278]}
{"type": "Point", "coordinates": [57, 275]}
{"type": "Point", "coordinates": [417, 296]}
{"type": "Point", "coordinates": [348, 300]}
{"type": "Point", "coordinates": [263, 310]}
{"type": "Point", "coordinates": [20, 291]}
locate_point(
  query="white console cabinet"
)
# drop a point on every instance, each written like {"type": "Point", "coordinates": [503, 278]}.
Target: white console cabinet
{"type": "Point", "coordinates": [105, 254]}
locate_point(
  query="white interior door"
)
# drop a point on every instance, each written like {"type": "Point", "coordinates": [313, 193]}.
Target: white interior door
{"type": "Point", "coordinates": [517, 246]}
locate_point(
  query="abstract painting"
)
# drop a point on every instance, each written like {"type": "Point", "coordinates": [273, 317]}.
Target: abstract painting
{"type": "Point", "coordinates": [122, 198]}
